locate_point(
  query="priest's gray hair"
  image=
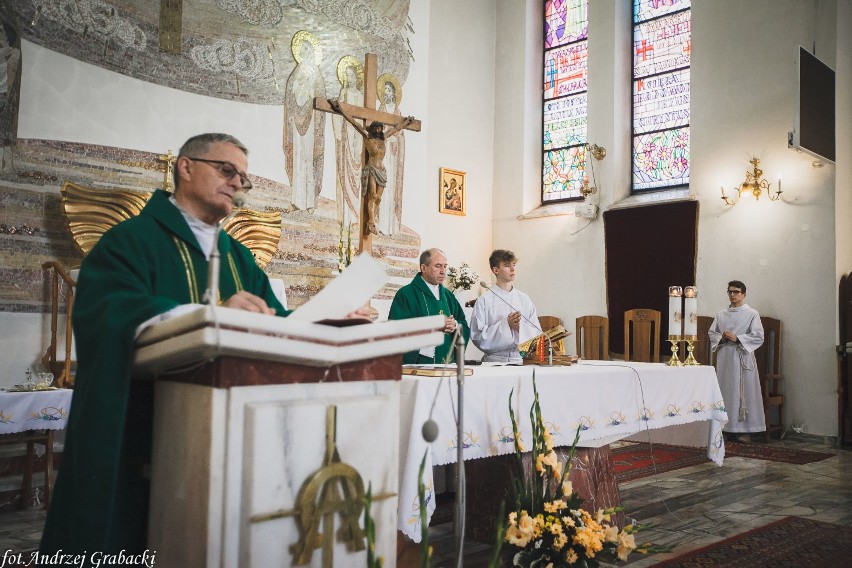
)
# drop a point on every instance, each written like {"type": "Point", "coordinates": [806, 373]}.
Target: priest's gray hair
{"type": "Point", "coordinates": [426, 255]}
{"type": "Point", "coordinates": [198, 145]}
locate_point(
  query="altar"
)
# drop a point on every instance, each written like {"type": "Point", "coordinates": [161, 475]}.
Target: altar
{"type": "Point", "coordinates": [268, 434]}
{"type": "Point", "coordinates": [607, 400]}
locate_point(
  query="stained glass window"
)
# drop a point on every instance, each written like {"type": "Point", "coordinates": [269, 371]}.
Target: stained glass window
{"type": "Point", "coordinates": [662, 49]}
{"type": "Point", "coordinates": [564, 117]}
{"type": "Point", "coordinates": [563, 172]}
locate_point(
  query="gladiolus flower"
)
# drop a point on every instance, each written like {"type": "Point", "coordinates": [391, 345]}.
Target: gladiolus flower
{"type": "Point", "coordinates": [525, 524]}
{"type": "Point", "coordinates": [626, 545]}
{"type": "Point", "coordinates": [550, 459]}
{"type": "Point", "coordinates": [567, 488]}
{"type": "Point", "coordinates": [516, 538]}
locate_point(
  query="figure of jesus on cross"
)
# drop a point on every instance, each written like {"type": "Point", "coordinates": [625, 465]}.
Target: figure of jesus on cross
{"type": "Point", "coordinates": [373, 177]}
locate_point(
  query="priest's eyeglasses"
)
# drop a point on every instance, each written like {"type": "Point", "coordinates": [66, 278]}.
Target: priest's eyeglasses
{"type": "Point", "coordinates": [734, 292]}
{"type": "Point", "coordinates": [227, 169]}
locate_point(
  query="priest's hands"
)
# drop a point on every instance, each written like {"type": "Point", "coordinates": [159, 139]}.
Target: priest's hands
{"type": "Point", "coordinates": [361, 313]}
{"type": "Point", "coordinates": [730, 336]}
{"type": "Point", "coordinates": [514, 320]}
{"type": "Point", "coordinates": [247, 301]}
{"type": "Point", "coordinates": [450, 324]}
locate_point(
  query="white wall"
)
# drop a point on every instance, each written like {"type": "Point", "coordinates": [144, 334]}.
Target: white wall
{"type": "Point", "coordinates": [461, 127]}
{"type": "Point", "coordinates": [743, 88]}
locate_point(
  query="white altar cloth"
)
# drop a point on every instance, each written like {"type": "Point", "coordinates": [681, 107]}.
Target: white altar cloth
{"type": "Point", "coordinates": [34, 410]}
{"type": "Point", "coordinates": [608, 400]}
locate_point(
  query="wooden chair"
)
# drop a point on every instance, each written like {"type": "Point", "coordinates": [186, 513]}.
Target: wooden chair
{"type": "Point", "coordinates": [645, 344]}
{"type": "Point", "coordinates": [62, 368]}
{"type": "Point", "coordinates": [31, 438]}
{"type": "Point", "coordinates": [593, 337]}
{"type": "Point", "coordinates": [702, 352]}
{"type": "Point", "coordinates": [768, 358]}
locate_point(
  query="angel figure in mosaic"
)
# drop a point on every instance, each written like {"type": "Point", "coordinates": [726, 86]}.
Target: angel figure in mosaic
{"type": "Point", "coordinates": [303, 128]}
{"type": "Point", "coordinates": [389, 93]}
{"type": "Point", "coordinates": [10, 66]}
{"type": "Point", "coordinates": [348, 142]}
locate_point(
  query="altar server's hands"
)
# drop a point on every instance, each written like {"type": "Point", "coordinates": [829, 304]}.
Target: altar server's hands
{"type": "Point", "coordinates": [514, 320]}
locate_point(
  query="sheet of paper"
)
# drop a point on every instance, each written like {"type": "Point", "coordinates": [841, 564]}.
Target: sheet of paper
{"type": "Point", "coordinates": [349, 291]}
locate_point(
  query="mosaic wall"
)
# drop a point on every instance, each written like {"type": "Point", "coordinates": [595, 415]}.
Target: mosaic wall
{"type": "Point", "coordinates": [33, 229]}
{"type": "Point", "coordinates": [182, 44]}
{"type": "Point", "coordinates": [240, 50]}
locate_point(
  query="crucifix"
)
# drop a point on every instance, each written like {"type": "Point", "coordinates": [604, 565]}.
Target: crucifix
{"type": "Point", "coordinates": [374, 146]}
{"type": "Point", "coordinates": [168, 160]}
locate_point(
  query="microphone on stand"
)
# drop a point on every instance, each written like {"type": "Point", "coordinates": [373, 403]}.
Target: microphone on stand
{"type": "Point", "coordinates": [535, 325]}
{"type": "Point", "coordinates": [211, 295]}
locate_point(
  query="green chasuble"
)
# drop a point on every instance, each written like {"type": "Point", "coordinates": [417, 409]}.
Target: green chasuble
{"type": "Point", "coordinates": [140, 268]}
{"type": "Point", "coordinates": [416, 300]}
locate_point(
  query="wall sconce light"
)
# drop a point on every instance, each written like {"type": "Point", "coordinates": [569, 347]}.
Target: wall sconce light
{"type": "Point", "coordinates": [598, 153]}
{"type": "Point", "coordinates": [755, 184]}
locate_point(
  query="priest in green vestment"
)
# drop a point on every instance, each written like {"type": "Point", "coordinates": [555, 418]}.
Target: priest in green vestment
{"type": "Point", "coordinates": [426, 296]}
{"type": "Point", "coordinates": [140, 269]}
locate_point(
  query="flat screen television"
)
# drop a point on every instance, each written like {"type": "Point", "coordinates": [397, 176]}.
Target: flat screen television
{"type": "Point", "coordinates": [814, 118]}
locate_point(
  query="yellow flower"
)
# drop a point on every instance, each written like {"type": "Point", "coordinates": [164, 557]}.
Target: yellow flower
{"type": "Point", "coordinates": [556, 529]}
{"type": "Point", "coordinates": [539, 460]}
{"type": "Point", "coordinates": [567, 488]}
{"type": "Point", "coordinates": [589, 539]}
{"type": "Point", "coordinates": [550, 459]}
{"type": "Point", "coordinates": [516, 538]}
{"type": "Point", "coordinates": [626, 545]}
{"type": "Point", "coordinates": [568, 522]}
{"type": "Point", "coordinates": [557, 472]}
{"type": "Point", "coordinates": [538, 525]}
{"type": "Point", "coordinates": [513, 518]}
{"type": "Point", "coordinates": [548, 442]}
{"type": "Point", "coordinates": [611, 534]}
{"type": "Point", "coordinates": [555, 506]}
{"type": "Point", "coordinates": [560, 541]}
{"type": "Point", "coordinates": [571, 556]}
{"type": "Point", "coordinates": [526, 524]}
{"type": "Point", "coordinates": [601, 516]}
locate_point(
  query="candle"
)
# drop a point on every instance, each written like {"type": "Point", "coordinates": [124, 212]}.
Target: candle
{"type": "Point", "coordinates": [690, 311]}
{"type": "Point", "coordinates": [675, 312]}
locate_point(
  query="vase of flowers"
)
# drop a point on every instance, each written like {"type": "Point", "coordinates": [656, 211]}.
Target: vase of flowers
{"type": "Point", "coordinates": [545, 524]}
{"type": "Point", "coordinates": [461, 280]}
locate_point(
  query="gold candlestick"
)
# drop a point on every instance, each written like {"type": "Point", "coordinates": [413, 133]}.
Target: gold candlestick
{"type": "Point", "coordinates": [674, 361]}
{"type": "Point", "coordinates": [690, 347]}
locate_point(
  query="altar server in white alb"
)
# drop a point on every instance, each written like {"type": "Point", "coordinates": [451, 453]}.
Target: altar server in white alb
{"type": "Point", "coordinates": [734, 336]}
{"type": "Point", "coordinates": [502, 315]}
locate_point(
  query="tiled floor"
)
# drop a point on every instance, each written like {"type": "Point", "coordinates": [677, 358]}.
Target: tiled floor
{"type": "Point", "coordinates": [703, 504]}
{"type": "Point", "coordinates": [692, 507]}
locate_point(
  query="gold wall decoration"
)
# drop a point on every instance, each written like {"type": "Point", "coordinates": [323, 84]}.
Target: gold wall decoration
{"type": "Point", "coordinates": [259, 232]}
{"type": "Point", "coordinates": [89, 213]}
{"type": "Point", "coordinates": [171, 16]}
